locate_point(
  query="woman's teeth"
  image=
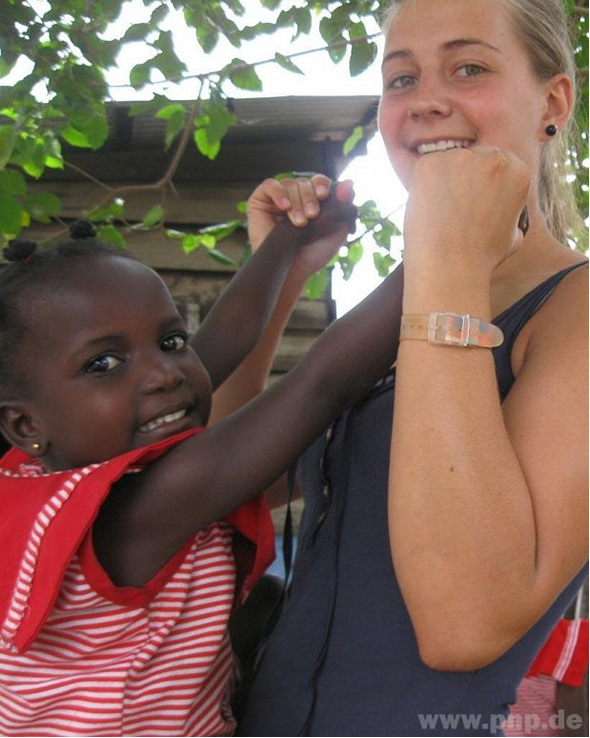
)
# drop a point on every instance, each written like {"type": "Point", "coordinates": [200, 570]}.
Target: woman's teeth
{"type": "Point", "coordinates": [428, 148]}
{"type": "Point", "coordinates": [153, 424]}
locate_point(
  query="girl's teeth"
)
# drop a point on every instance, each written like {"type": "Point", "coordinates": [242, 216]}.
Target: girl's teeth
{"type": "Point", "coordinates": [153, 424]}
{"type": "Point", "coordinates": [428, 148]}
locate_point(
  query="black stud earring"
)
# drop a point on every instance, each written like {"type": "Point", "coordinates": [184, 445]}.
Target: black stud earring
{"type": "Point", "coordinates": [551, 129]}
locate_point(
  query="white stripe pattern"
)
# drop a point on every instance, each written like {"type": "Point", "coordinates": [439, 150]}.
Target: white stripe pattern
{"type": "Point", "coordinates": [567, 652]}
{"type": "Point", "coordinates": [102, 669]}
{"type": "Point", "coordinates": [24, 581]}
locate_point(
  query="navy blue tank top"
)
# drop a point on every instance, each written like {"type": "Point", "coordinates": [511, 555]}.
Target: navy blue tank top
{"type": "Point", "coordinates": [342, 659]}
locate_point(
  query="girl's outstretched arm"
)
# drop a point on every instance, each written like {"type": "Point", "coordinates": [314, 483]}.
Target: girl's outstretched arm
{"type": "Point", "coordinates": [272, 202]}
{"type": "Point", "coordinates": [236, 322]}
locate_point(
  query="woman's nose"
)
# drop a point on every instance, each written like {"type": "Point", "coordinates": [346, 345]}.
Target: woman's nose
{"type": "Point", "coordinates": [429, 100]}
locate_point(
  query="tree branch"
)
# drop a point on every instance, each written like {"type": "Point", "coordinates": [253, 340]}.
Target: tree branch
{"type": "Point", "coordinates": [203, 76]}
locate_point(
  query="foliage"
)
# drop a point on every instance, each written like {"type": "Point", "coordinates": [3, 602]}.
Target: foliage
{"type": "Point", "coordinates": [67, 49]}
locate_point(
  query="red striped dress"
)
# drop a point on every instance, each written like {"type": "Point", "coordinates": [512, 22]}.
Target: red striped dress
{"type": "Point", "coordinates": [84, 657]}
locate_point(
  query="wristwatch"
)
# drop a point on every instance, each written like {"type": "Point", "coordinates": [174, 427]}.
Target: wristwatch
{"type": "Point", "coordinates": [451, 329]}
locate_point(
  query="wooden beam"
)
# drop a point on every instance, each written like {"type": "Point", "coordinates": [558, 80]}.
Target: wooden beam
{"type": "Point", "coordinates": [247, 162]}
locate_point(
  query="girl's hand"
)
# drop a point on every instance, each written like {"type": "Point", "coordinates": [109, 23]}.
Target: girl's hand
{"type": "Point", "coordinates": [464, 208]}
{"type": "Point", "coordinates": [298, 200]}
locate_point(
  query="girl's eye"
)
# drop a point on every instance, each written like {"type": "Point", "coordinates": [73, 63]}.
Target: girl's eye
{"type": "Point", "coordinates": [398, 83]}
{"type": "Point", "coordinates": [470, 70]}
{"type": "Point", "coordinates": [102, 364]}
{"type": "Point", "coordinates": [175, 342]}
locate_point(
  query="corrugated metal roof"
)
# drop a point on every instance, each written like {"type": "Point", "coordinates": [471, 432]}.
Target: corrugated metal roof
{"type": "Point", "coordinates": [271, 119]}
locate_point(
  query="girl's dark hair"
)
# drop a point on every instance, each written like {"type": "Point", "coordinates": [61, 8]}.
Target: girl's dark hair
{"type": "Point", "coordinates": [31, 268]}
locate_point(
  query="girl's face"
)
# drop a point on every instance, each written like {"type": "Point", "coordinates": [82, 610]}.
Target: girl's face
{"type": "Point", "coordinates": [108, 364]}
{"type": "Point", "coordinates": [455, 74]}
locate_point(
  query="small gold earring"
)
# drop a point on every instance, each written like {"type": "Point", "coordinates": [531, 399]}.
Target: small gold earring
{"type": "Point", "coordinates": [36, 446]}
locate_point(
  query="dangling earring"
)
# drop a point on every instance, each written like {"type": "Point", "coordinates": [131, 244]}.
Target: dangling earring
{"type": "Point", "coordinates": [36, 446]}
{"type": "Point", "coordinates": [551, 129]}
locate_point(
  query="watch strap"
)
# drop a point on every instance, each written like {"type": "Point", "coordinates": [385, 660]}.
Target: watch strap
{"type": "Point", "coordinates": [450, 329]}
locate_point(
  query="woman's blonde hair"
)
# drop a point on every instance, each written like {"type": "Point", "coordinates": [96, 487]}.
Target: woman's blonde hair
{"type": "Point", "coordinates": [542, 27]}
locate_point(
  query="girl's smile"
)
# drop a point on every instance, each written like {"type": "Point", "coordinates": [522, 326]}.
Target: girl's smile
{"type": "Point", "coordinates": [114, 371]}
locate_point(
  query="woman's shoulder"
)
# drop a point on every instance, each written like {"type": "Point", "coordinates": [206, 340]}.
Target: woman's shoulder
{"type": "Point", "coordinates": [560, 312]}
{"type": "Point", "coordinates": [567, 293]}
{"type": "Point", "coordinates": [560, 325]}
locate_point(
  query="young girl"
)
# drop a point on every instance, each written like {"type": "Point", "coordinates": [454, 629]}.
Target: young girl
{"type": "Point", "coordinates": [122, 555]}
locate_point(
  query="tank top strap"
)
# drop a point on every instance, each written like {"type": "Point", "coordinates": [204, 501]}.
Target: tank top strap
{"type": "Point", "coordinates": [512, 320]}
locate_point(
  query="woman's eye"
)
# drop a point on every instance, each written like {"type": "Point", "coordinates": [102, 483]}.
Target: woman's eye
{"type": "Point", "coordinates": [102, 364]}
{"type": "Point", "coordinates": [470, 70]}
{"type": "Point", "coordinates": [398, 83]}
{"type": "Point", "coordinates": [175, 342]}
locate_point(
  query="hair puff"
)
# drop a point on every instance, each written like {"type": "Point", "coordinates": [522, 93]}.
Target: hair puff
{"type": "Point", "coordinates": [19, 250]}
{"type": "Point", "coordinates": [82, 229]}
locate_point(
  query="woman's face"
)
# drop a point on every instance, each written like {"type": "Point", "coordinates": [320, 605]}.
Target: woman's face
{"type": "Point", "coordinates": [455, 74]}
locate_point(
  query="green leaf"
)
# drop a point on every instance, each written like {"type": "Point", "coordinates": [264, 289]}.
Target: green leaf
{"type": "Point", "coordinates": [137, 32]}
{"type": "Point", "coordinates": [10, 215]}
{"type": "Point", "coordinates": [109, 234]}
{"type": "Point", "coordinates": [172, 233]}
{"type": "Point", "coordinates": [355, 252]}
{"type": "Point", "coordinates": [7, 142]}
{"type": "Point", "coordinates": [286, 63]}
{"type": "Point", "coordinates": [211, 127]}
{"type": "Point", "coordinates": [53, 156]}
{"type": "Point", "coordinates": [140, 74]}
{"type": "Point", "coordinates": [190, 242]}
{"type": "Point", "coordinates": [210, 150]}
{"type": "Point", "coordinates": [75, 137]}
{"type": "Point", "coordinates": [357, 30]}
{"type": "Point", "coordinates": [207, 36]}
{"type": "Point", "coordinates": [13, 182]}
{"type": "Point", "coordinates": [362, 55]}
{"type": "Point", "coordinates": [222, 230]}
{"type": "Point", "coordinates": [338, 53]}
{"type": "Point", "coordinates": [383, 234]}
{"type": "Point", "coordinates": [351, 142]}
{"type": "Point", "coordinates": [383, 263]}
{"type": "Point", "coordinates": [330, 29]}
{"type": "Point", "coordinates": [208, 240]}
{"type": "Point", "coordinates": [42, 206]}
{"type": "Point", "coordinates": [303, 21]}
{"type": "Point", "coordinates": [245, 78]}
{"type": "Point", "coordinates": [176, 117]}
{"type": "Point", "coordinates": [6, 64]}
{"type": "Point", "coordinates": [317, 284]}
{"type": "Point", "coordinates": [30, 154]}
{"type": "Point", "coordinates": [92, 125]}
{"type": "Point", "coordinates": [154, 215]}
{"type": "Point", "coordinates": [108, 213]}
{"type": "Point", "coordinates": [169, 111]}
{"type": "Point", "coordinates": [170, 65]}
{"type": "Point", "coordinates": [220, 257]}
{"type": "Point", "coordinates": [159, 15]}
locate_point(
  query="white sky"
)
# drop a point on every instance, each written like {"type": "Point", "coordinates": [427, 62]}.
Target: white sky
{"type": "Point", "coordinates": [372, 174]}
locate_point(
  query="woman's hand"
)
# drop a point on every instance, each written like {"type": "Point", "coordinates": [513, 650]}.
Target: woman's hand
{"type": "Point", "coordinates": [463, 209]}
{"type": "Point", "coordinates": [297, 200]}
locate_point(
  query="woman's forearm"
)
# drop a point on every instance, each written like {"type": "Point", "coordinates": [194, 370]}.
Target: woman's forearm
{"type": "Point", "coordinates": [461, 519]}
{"type": "Point", "coordinates": [473, 555]}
